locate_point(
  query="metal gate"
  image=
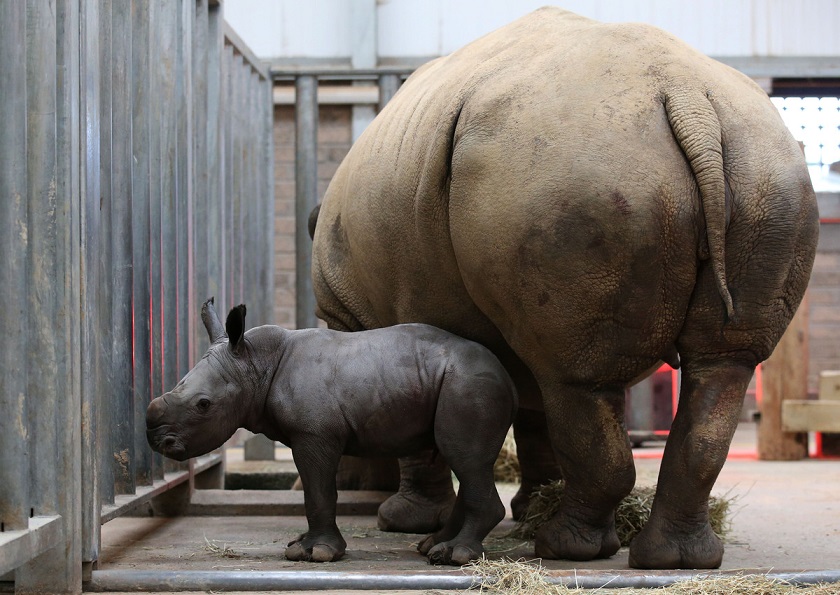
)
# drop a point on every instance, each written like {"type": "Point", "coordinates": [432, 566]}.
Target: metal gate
{"type": "Point", "coordinates": [135, 181]}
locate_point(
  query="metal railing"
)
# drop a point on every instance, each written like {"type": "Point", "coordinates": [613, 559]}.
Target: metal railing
{"type": "Point", "coordinates": [136, 180]}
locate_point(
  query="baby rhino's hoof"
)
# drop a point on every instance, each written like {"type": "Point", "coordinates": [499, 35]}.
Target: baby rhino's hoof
{"type": "Point", "coordinates": [320, 552]}
{"type": "Point", "coordinates": [454, 554]}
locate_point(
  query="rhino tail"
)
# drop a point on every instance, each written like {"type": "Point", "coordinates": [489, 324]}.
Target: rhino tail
{"type": "Point", "coordinates": [697, 129]}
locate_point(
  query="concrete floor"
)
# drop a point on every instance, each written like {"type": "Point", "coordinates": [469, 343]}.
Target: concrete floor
{"type": "Point", "coordinates": [786, 518]}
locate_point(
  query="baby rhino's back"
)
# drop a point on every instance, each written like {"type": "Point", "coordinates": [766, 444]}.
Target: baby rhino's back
{"type": "Point", "coordinates": [391, 385]}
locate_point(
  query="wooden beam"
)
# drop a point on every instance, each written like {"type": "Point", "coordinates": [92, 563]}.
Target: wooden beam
{"type": "Point", "coordinates": [785, 376]}
{"type": "Point", "coordinates": [811, 416]}
{"type": "Point", "coordinates": [829, 385]}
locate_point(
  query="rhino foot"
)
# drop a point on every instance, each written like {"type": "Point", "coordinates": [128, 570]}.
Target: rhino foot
{"type": "Point", "coordinates": [454, 553]}
{"type": "Point", "coordinates": [563, 538]}
{"type": "Point", "coordinates": [415, 513]}
{"type": "Point", "coordinates": [315, 548]}
{"type": "Point", "coordinates": [663, 546]}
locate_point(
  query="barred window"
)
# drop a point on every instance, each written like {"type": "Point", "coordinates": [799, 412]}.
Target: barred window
{"type": "Point", "coordinates": [814, 121]}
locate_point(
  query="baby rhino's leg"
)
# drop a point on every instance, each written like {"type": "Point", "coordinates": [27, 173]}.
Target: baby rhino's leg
{"type": "Point", "coordinates": [323, 542]}
{"type": "Point", "coordinates": [473, 416]}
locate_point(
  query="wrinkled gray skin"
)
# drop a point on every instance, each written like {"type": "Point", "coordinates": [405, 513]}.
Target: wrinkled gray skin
{"type": "Point", "coordinates": [585, 199]}
{"type": "Point", "coordinates": [388, 392]}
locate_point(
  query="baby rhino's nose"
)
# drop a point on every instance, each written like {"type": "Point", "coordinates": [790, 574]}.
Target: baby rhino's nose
{"type": "Point", "coordinates": [154, 414]}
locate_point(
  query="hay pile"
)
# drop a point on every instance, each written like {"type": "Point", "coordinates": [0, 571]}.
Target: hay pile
{"type": "Point", "coordinates": [520, 577]}
{"type": "Point", "coordinates": [512, 576]}
{"type": "Point", "coordinates": [749, 584]}
{"type": "Point", "coordinates": [506, 468]}
{"type": "Point", "coordinates": [630, 516]}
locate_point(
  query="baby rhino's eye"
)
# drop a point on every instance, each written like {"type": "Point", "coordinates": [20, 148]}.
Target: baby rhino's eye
{"type": "Point", "coordinates": [203, 404]}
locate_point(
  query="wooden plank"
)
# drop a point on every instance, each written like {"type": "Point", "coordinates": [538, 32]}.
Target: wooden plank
{"type": "Point", "coordinates": [811, 416]}
{"type": "Point", "coordinates": [829, 385]}
{"type": "Point", "coordinates": [785, 376]}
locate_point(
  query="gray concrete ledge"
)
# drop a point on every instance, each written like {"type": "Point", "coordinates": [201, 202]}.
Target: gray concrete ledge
{"type": "Point", "coordinates": [278, 503]}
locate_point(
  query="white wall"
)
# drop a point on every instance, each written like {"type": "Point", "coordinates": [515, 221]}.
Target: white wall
{"type": "Point", "coordinates": [293, 29]}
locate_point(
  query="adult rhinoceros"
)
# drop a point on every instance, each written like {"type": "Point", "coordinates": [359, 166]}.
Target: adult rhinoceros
{"type": "Point", "coordinates": [585, 199]}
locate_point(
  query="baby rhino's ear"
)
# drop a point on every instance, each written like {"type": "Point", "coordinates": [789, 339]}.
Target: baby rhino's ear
{"type": "Point", "coordinates": [235, 327]}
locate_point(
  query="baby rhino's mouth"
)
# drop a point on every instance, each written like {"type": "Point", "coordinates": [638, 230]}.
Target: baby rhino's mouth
{"type": "Point", "coordinates": [166, 444]}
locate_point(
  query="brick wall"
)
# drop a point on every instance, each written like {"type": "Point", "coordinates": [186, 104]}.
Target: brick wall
{"type": "Point", "coordinates": [334, 138]}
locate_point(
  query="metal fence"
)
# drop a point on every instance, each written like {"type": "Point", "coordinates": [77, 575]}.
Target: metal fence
{"type": "Point", "coordinates": [136, 180]}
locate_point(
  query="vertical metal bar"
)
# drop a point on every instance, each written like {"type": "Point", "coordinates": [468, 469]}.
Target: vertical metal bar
{"type": "Point", "coordinates": [256, 292]}
{"type": "Point", "coordinates": [306, 194]}
{"type": "Point", "coordinates": [140, 234]}
{"type": "Point", "coordinates": [230, 109]}
{"type": "Point", "coordinates": [248, 196]}
{"type": "Point", "coordinates": [89, 152]}
{"type": "Point", "coordinates": [183, 185]}
{"type": "Point", "coordinates": [105, 290]}
{"type": "Point", "coordinates": [201, 152]}
{"type": "Point", "coordinates": [41, 306]}
{"type": "Point", "coordinates": [122, 291]}
{"type": "Point", "coordinates": [156, 199]}
{"type": "Point", "coordinates": [68, 491]}
{"type": "Point", "coordinates": [167, 90]}
{"type": "Point", "coordinates": [168, 25]}
{"type": "Point", "coordinates": [238, 160]}
{"type": "Point", "coordinates": [388, 86]}
{"type": "Point", "coordinates": [215, 139]}
{"type": "Point", "coordinates": [267, 172]}
{"type": "Point", "coordinates": [186, 263]}
{"type": "Point", "coordinates": [14, 497]}
{"type": "Point", "coordinates": [53, 290]}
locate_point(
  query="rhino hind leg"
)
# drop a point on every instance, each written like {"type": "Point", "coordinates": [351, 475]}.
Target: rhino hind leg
{"type": "Point", "coordinates": [537, 462]}
{"type": "Point", "coordinates": [589, 437]}
{"type": "Point", "coordinates": [478, 507]}
{"type": "Point", "coordinates": [425, 497]}
{"type": "Point", "coordinates": [678, 534]}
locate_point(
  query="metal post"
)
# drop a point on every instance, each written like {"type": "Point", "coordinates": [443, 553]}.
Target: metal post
{"type": "Point", "coordinates": [306, 194]}
{"type": "Point", "coordinates": [121, 392]}
{"type": "Point", "coordinates": [140, 237]}
{"type": "Point", "coordinates": [184, 313]}
{"type": "Point", "coordinates": [168, 44]}
{"type": "Point", "coordinates": [215, 140]}
{"type": "Point", "coordinates": [239, 108]}
{"type": "Point", "coordinates": [41, 305]}
{"type": "Point", "coordinates": [156, 200]}
{"type": "Point", "coordinates": [388, 86]}
{"type": "Point", "coordinates": [201, 186]}
{"type": "Point", "coordinates": [252, 253]}
{"type": "Point", "coordinates": [105, 289]}
{"type": "Point", "coordinates": [67, 567]}
{"type": "Point", "coordinates": [229, 249]}
{"type": "Point", "coordinates": [14, 509]}
{"type": "Point", "coordinates": [53, 291]}
{"type": "Point", "coordinates": [89, 154]}
{"type": "Point", "coordinates": [267, 173]}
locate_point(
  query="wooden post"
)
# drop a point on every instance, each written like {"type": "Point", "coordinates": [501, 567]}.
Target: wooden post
{"type": "Point", "coordinates": [785, 376]}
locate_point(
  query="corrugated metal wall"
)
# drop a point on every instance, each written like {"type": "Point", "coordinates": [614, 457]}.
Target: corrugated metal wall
{"type": "Point", "coordinates": [406, 28]}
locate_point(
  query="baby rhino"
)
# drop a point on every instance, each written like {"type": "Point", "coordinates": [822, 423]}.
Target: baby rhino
{"type": "Point", "coordinates": [387, 392]}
